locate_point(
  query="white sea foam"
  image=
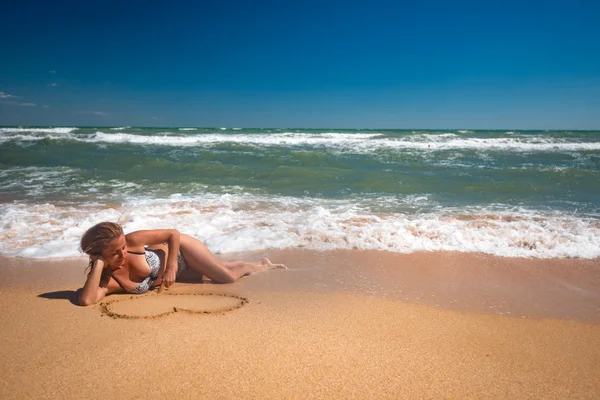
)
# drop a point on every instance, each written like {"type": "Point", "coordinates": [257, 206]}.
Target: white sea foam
{"type": "Point", "coordinates": [347, 136]}
{"type": "Point", "coordinates": [59, 182]}
{"type": "Point", "coordinates": [28, 135]}
{"type": "Point", "coordinates": [360, 143]}
{"type": "Point", "coordinates": [38, 130]}
{"type": "Point", "coordinates": [28, 139]}
{"type": "Point", "coordinates": [120, 128]}
{"type": "Point", "coordinates": [242, 222]}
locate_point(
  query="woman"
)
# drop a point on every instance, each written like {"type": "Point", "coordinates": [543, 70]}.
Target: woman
{"type": "Point", "coordinates": [140, 260]}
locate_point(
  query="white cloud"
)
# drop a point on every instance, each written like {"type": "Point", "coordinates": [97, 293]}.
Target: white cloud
{"type": "Point", "coordinates": [53, 84]}
{"type": "Point", "coordinates": [98, 113]}
{"type": "Point", "coordinates": [46, 106]}
{"type": "Point", "coordinates": [16, 103]}
{"type": "Point", "coordinates": [52, 71]}
{"type": "Point", "coordinates": [4, 95]}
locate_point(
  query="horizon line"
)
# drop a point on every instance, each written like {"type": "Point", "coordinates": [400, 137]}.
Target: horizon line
{"type": "Point", "coordinates": [299, 128]}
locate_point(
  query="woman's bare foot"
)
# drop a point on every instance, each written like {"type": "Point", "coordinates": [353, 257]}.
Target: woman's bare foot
{"type": "Point", "coordinates": [269, 265]}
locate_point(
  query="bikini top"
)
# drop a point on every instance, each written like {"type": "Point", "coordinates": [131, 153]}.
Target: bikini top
{"type": "Point", "coordinates": [154, 264]}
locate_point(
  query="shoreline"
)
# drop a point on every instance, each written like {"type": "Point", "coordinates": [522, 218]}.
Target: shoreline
{"type": "Point", "coordinates": [361, 324]}
{"type": "Point", "coordinates": [472, 282]}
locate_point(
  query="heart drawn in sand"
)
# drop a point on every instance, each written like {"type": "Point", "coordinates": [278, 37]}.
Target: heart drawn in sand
{"type": "Point", "coordinates": [155, 305]}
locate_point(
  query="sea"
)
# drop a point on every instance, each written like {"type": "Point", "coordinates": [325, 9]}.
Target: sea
{"type": "Point", "coordinates": [506, 193]}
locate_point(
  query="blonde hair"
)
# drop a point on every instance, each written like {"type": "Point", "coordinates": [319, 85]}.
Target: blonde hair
{"type": "Point", "coordinates": [95, 239]}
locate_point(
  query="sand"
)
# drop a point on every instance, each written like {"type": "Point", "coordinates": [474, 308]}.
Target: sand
{"type": "Point", "coordinates": [339, 324]}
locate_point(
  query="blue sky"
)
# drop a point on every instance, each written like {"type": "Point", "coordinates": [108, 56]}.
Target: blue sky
{"type": "Point", "coordinates": [368, 64]}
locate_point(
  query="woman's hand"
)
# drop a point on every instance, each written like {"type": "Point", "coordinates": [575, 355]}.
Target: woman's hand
{"type": "Point", "coordinates": [92, 292]}
{"type": "Point", "coordinates": [99, 262]}
{"type": "Point", "coordinates": [168, 276]}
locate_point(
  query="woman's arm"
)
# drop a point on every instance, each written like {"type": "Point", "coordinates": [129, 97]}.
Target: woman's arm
{"type": "Point", "coordinates": [138, 239]}
{"type": "Point", "coordinates": [93, 290]}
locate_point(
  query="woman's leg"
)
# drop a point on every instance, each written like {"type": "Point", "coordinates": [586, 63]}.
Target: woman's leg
{"type": "Point", "coordinates": [265, 263]}
{"type": "Point", "coordinates": [200, 258]}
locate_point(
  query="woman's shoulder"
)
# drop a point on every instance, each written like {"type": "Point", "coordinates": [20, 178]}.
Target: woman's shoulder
{"type": "Point", "coordinates": [148, 237]}
{"type": "Point", "coordinates": [134, 243]}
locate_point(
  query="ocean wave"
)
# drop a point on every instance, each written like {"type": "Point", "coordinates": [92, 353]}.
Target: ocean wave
{"type": "Point", "coordinates": [243, 222]}
{"type": "Point", "coordinates": [37, 130]}
{"type": "Point", "coordinates": [343, 142]}
{"type": "Point", "coordinates": [32, 182]}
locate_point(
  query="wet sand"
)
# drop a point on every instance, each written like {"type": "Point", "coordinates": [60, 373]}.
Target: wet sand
{"type": "Point", "coordinates": [339, 324]}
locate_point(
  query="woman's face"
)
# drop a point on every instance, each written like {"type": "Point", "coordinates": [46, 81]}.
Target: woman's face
{"type": "Point", "coordinates": [115, 253]}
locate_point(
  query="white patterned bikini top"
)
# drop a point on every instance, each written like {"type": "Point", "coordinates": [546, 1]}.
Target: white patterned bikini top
{"type": "Point", "coordinates": [154, 264]}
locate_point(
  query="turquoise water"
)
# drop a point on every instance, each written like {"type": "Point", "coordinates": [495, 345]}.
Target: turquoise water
{"type": "Point", "coordinates": [452, 188]}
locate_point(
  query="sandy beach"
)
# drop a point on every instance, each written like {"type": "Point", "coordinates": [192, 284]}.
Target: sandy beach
{"type": "Point", "coordinates": [337, 324]}
{"type": "Point", "coordinates": [427, 171]}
